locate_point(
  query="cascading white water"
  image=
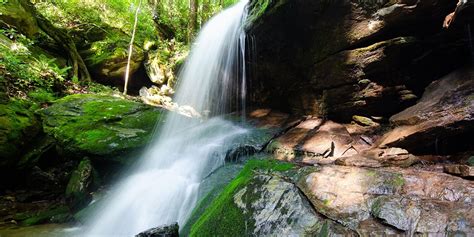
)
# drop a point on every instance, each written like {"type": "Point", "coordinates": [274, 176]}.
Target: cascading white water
{"type": "Point", "coordinates": [163, 187]}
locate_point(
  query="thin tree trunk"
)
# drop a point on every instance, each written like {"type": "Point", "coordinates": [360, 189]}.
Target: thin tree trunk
{"type": "Point", "coordinates": [192, 25]}
{"type": "Point", "coordinates": [130, 48]}
{"type": "Point", "coordinates": [79, 68]}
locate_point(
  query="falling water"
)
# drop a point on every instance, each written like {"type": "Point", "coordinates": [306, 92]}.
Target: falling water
{"type": "Point", "coordinates": [163, 187]}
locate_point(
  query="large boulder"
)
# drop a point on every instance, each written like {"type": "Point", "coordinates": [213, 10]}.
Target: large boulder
{"type": "Point", "coordinates": [391, 201]}
{"type": "Point", "coordinates": [335, 58]}
{"type": "Point", "coordinates": [443, 119]}
{"type": "Point", "coordinates": [261, 201]}
{"type": "Point", "coordinates": [100, 126]}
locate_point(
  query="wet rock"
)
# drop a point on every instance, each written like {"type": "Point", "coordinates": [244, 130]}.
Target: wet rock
{"type": "Point", "coordinates": [408, 200]}
{"type": "Point", "coordinates": [79, 183]}
{"type": "Point", "coordinates": [263, 201]}
{"type": "Point", "coordinates": [278, 208]}
{"type": "Point", "coordinates": [111, 127]}
{"type": "Point", "coordinates": [460, 170]}
{"type": "Point", "coordinates": [265, 125]}
{"type": "Point", "coordinates": [209, 190]}
{"type": "Point", "coordinates": [161, 231]}
{"type": "Point", "coordinates": [442, 119]}
{"type": "Point", "coordinates": [240, 207]}
{"type": "Point", "coordinates": [58, 214]}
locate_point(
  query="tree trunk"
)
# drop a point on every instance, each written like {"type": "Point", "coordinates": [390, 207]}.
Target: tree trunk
{"type": "Point", "coordinates": [79, 69]}
{"type": "Point", "coordinates": [130, 48]}
{"type": "Point", "coordinates": [192, 25]}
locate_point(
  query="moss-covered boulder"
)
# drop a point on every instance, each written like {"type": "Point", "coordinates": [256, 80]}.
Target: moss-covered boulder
{"type": "Point", "coordinates": [18, 126]}
{"type": "Point", "coordinates": [79, 183]}
{"type": "Point", "coordinates": [261, 201]}
{"type": "Point", "coordinates": [100, 126]}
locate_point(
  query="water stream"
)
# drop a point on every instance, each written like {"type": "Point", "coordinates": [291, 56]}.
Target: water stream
{"type": "Point", "coordinates": [162, 189]}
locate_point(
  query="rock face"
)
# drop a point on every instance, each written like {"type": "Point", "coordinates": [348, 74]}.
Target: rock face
{"type": "Point", "coordinates": [317, 140]}
{"type": "Point", "coordinates": [263, 201]}
{"type": "Point", "coordinates": [341, 57]}
{"type": "Point", "coordinates": [110, 127]}
{"type": "Point", "coordinates": [264, 125]}
{"type": "Point", "coordinates": [161, 231]}
{"type": "Point", "coordinates": [277, 208]}
{"type": "Point", "coordinates": [408, 200]}
{"type": "Point", "coordinates": [442, 119]}
{"type": "Point", "coordinates": [110, 68]}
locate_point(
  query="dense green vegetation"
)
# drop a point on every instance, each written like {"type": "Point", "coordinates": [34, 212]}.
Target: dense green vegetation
{"type": "Point", "coordinates": [31, 58]}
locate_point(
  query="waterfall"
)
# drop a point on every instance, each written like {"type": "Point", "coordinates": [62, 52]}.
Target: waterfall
{"type": "Point", "coordinates": [162, 188]}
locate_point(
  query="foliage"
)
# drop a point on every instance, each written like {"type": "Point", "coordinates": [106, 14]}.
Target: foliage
{"type": "Point", "coordinates": [24, 70]}
{"type": "Point", "coordinates": [224, 217]}
{"type": "Point", "coordinates": [81, 15]}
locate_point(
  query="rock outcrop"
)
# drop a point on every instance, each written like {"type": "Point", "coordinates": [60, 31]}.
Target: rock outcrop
{"type": "Point", "coordinates": [263, 201]}
{"type": "Point", "coordinates": [345, 58]}
{"type": "Point", "coordinates": [110, 127]}
{"type": "Point", "coordinates": [443, 119]}
{"type": "Point", "coordinates": [408, 200]}
{"type": "Point", "coordinates": [161, 231]}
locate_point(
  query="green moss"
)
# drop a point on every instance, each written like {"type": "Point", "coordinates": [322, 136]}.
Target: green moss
{"type": "Point", "coordinates": [396, 181]}
{"type": "Point", "coordinates": [259, 8]}
{"type": "Point", "coordinates": [18, 125]}
{"type": "Point", "coordinates": [371, 173]}
{"type": "Point", "coordinates": [364, 121]}
{"type": "Point", "coordinates": [324, 232]}
{"type": "Point", "coordinates": [224, 217]}
{"type": "Point", "coordinates": [470, 161]}
{"type": "Point", "coordinates": [100, 125]}
{"type": "Point", "coordinates": [57, 214]}
{"type": "Point", "coordinates": [376, 207]}
{"type": "Point", "coordinates": [80, 180]}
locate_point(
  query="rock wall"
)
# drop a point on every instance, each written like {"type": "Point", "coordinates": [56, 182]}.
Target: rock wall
{"type": "Point", "coordinates": [339, 58]}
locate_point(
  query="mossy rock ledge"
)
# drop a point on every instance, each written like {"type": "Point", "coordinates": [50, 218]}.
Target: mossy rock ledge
{"type": "Point", "coordinates": [100, 126]}
{"type": "Point", "coordinates": [18, 125]}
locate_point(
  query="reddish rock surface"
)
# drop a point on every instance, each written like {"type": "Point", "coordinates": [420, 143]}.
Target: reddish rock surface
{"type": "Point", "coordinates": [440, 121]}
{"type": "Point", "coordinates": [409, 200]}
